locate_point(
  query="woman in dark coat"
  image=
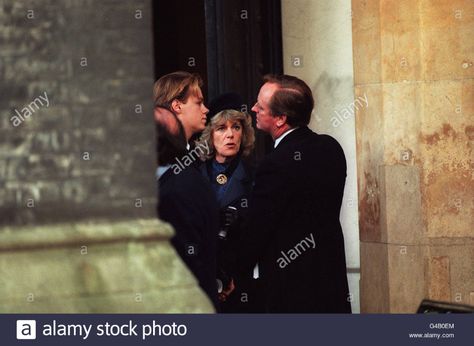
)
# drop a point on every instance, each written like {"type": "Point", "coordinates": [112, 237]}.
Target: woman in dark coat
{"type": "Point", "coordinates": [230, 138]}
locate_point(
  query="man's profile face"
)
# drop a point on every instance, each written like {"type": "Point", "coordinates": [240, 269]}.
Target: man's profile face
{"type": "Point", "coordinates": [265, 121]}
{"type": "Point", "coordinates": [193, 114]}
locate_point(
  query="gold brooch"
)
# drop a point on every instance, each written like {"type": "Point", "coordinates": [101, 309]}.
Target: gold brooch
{"type": "Point", "coordinates": [221, 179]}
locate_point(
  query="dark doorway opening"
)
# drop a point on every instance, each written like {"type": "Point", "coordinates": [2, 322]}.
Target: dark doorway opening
{"type": "Point", "coordinates": [231, 44]}
{"type": "Point", "coordinates": [179, 28]}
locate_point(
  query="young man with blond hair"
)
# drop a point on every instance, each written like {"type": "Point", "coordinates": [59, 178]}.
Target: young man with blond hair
{"type": "Point", "coordinates": [181, 93]}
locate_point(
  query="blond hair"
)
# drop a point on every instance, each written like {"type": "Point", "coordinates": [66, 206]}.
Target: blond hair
{"type": "Point", "coordinates": [248, 133]}
{"type": "Point", "coordinates": [175, 86]}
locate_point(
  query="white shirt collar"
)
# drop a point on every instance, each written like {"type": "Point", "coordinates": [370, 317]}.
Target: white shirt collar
{"type": "Point", "coordinates": [278, 140]}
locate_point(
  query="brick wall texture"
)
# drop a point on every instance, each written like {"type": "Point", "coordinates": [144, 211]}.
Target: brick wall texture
{"type": "Point", "coordinates": [76, 128]}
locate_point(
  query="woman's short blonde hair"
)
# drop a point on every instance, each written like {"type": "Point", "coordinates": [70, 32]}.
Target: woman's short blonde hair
{"type": "Point", "coordinates": [248, 133]}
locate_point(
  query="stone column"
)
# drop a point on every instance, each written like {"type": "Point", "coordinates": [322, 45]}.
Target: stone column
{"type": "Point", "coordinates": [78, 224]}
{"type": "Point", "coordinates": [414, 61]}
{"type": "Point", "coordinates": [95, 267]}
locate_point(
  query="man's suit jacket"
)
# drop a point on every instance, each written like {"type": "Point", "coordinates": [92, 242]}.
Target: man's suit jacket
{"type": "Point", "coordinates": [297, 197]}
{"type": "Point", "coordinates": [187, 202]}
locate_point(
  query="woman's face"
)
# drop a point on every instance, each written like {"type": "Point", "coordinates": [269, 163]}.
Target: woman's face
{"type": "Point", "coordinates": [227, 137]}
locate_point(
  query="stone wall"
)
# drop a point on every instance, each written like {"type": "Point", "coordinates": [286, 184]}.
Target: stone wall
{"type": "Point", "coordinates": [76, 130]}
{"type": "Point", "coordinates": [123, 267]}
{"type": "Point", "coordinates": [414, 59]}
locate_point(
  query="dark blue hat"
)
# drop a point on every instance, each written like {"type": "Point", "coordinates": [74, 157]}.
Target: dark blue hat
{"type": "Point", "coordinates": [224, 101]}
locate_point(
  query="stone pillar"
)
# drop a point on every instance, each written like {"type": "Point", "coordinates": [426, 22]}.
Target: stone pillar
{"type": "Point", "coordinates": [78, 225]}
{"type": "Point", "coordinates": [414, 61]}
{"type": "Point", "coordinates": [95, 267]}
